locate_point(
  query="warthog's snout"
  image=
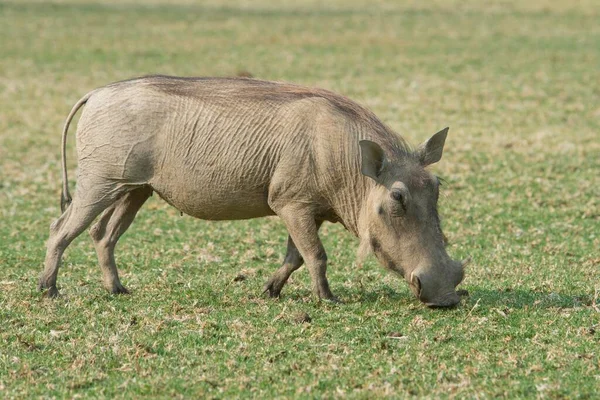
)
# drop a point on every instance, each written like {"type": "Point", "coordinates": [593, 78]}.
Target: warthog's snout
{"type": "Point", "coordinates": [450, 300]}
{"type": "Point", "coordinates": [436, 286]}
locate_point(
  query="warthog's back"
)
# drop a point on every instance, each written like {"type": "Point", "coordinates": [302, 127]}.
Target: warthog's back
{"type": "Point", "coordinates": [220, 148]}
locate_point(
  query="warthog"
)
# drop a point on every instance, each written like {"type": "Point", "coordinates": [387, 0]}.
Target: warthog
{"type": "Point", "coordinates": [238, 148]}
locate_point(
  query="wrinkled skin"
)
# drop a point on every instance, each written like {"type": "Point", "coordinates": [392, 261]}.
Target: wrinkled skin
{"type": "Point", "coordinates": [225, 149]}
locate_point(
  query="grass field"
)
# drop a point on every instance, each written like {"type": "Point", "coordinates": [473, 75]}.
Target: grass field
{"type": "Point", "coordinates": [518, 84]}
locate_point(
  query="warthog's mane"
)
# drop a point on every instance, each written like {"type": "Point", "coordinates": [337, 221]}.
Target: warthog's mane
{"type": "Point", "coordinates": [276, 93]}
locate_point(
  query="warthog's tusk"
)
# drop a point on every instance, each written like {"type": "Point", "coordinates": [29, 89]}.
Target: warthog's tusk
{"type": "Point", "coordinates": [466, 261]}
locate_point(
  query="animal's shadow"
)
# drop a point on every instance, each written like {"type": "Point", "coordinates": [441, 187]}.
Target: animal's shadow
{"type": "Point", "coordinates": [523, 298]}
{"type": "Point", "coordinates": [483, 297]}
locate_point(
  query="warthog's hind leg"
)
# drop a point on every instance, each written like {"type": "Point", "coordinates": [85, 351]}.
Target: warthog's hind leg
{"type": "Point", "coordinates": [292, 261]}
{"type": "Point", "coordinates": [106, 232]}
{"type": "Point", "coordinates": [76, 218]}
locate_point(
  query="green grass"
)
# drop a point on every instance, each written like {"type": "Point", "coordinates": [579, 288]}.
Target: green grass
{"type": "Point", "coordinates": [518, 85]}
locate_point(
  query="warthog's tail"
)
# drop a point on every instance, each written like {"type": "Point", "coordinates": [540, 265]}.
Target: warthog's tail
{"type": "Point", "coordinates": [65, 198]}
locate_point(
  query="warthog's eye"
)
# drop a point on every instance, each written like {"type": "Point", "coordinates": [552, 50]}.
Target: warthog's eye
{"type": "Point", "coordinates": [399, 199]}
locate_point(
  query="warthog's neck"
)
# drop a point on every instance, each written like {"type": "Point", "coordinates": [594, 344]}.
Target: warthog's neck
{"type": "Point", "coordinates": [350, 205]}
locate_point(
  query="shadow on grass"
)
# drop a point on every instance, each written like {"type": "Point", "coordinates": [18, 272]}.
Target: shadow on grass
{"type": "Point", "coordinates": [519, 298]}
{"type": "Point", "coordinates": [485, 297]}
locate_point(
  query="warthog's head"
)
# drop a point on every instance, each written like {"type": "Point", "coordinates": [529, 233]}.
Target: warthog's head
{"type": "Point", "coordinates": [400, 223]}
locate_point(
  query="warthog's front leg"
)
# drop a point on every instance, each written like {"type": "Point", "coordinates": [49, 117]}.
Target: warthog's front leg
{"type": "Point", "coordinates": [292, 261]}
{"type": "Point", "coordinates": [303, 230]}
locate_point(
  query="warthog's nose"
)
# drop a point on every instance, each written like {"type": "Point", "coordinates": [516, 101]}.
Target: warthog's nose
{"type": "Point", "coordinates": [448, 301]}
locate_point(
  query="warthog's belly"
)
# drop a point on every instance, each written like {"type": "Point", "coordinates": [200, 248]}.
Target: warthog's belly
{"type": "Point", "coordinates": [206, 200]}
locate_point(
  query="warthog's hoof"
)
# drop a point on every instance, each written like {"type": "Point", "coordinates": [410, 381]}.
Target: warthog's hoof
{"type": "Point", "coordinates": [273, 287]}
{"type": "Point", "coordinates": [51, 293]}
{"type": "Point", "coordinates": [52, 290]}
{"type": "Point", "coordinates": [118, 289]}
{"type": "Point", "coordinates": [323, 293]}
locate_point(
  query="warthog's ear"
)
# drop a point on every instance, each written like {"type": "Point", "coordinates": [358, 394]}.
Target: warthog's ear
{"type": "Point", "coordinates": [372, 159]}
{"type": "Point", "coordinates": [431, 151]}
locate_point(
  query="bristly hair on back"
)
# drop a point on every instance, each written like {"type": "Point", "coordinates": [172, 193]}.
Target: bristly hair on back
{"type": "Point", "coordinates": [276, 92]}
